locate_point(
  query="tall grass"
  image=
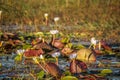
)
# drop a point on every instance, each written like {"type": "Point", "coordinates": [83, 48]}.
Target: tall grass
{"type": "Point", "coordinates": [96, 15]}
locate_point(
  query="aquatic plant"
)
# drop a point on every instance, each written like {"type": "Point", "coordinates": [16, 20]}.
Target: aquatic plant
{"type": "Point", "coordinates": [40, 75]}
{"type": "Point", "coordinates": [46, 18]}
{"type": "Point", "coordinates": [69, 78]}
{"type": "Point", "coordinates": [56, 19]}
{"type": "Point", "coordinates": [105, 72]}
{"type": "Point", "coordinates": [56, 55]}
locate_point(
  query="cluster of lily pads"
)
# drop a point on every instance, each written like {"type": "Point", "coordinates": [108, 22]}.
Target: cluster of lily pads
{"type": "Point", "coordinates": [44, 60]}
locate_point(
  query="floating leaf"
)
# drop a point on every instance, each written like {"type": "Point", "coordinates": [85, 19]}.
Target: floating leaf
{"type": "Point", "coordinates": [69, 78]}
{"type": "Point", "coordinates": [104, 72]}
{"type": "Point", "coordinates": [21, 38]}
{"type": "Point", "coordinates": [75, 46]}
{"type": "Point", "coordinates": [18, 58]}
{"type": "Point", "coordinates": [67, 73]}
{"type": "Point", "coordinates": [39, 34]}
{"type": "Point", "coordinates": [65, 40]}
{"type": "Point", "coordinates": [86, 55]}
{"type": "Point", "coordinates": [41, 74]}
{"type": "Point", "coordinates": [26, 46]}
{"type": "Point", "coordinates": [69, 45]}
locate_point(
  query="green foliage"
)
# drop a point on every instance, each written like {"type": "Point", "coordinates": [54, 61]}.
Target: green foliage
{"type": "Point", "coordinates": [39, 34]}
{"type": "Point", "coordinates": [51, 59]}
{"type": "Point", "coordinates": [40, 75]}
{"type": "Point", "coordinates": [69, 78]}
{"type": "Point", "coordinates": [1, 33]}
{"type": "Point", "coordinates": [69, 45]}
{"type": "Point", "coordinates": [76, 10]}
{"type": "Point", "coordinates": [67, 73]}
{"type": "Point", "coordinates": [104, 72]}
{"type": "Point", "coordinates": [18, 58]}
{"type": "Point", "coordinates": [26, 46]}
{"type": "Point", "coordinates": [78, 46]}
{"type": "Point", "coordinates": [21, 38]}
{"type": "Point", "coordinates": [65, 40]}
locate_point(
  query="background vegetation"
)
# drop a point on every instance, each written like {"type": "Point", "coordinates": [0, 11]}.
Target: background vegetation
{"type": "Point", "coordinates": [85, 17]}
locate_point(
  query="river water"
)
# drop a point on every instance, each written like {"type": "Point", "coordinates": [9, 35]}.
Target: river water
{"type": "Point", "coordinates": [10, 68]}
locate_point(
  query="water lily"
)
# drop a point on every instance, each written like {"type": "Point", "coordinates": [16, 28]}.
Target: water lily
{"type": "Point", "coordinates": [20, 51]}
{"type": "Point", "coordinates": [46, 15]}
{"type": "Point", "coordinates": [56, 19]}
{"type": "Point", "coordinates": [54, 31]}
{"type": "Point", "coordinates": [40, 38]}
{"type": "Point", "coordinates": [72, 56]}
{"type": "Point", "coordinates": [93, 41]}
{"type": "Point", "coordinates": [35, 59]}
{"type": "Point", "coordinates": [56, 54]}
{"type": "Point", "coordinates": [41, 57]}
{"type": "Point", "coordinates": [46, 18]}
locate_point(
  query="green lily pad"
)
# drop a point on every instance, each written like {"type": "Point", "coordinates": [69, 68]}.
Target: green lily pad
{"type": "Point", "coordinates": [65, 40]}
{"type": "Point", "coordinates": [104, 72]}
{"type": "Point", "coordinates": [80, 46]}
{"type": "Point", "coordinates": [69, 45]}
{"type": "Point", "coordinates": [40, 75]}
{"type": "Point", "coordinates": [26, 46]}
{"type": "Point", "coordinates": [18, 58]}
{"type": "Point", "coordinates": [69, 78]}
{"type": "Point", "coordinates": [67, 73]}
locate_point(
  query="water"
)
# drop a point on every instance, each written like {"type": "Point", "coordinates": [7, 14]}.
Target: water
{"type": "Point", "coordinates": [12, 69]}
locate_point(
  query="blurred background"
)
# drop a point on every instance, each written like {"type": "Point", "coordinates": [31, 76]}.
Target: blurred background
{"type": "Point", "coordinates": [84, 17]}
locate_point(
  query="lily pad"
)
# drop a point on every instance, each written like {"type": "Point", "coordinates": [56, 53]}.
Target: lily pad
{"type": "Point", "coordinates": [18, 58]}
{"type": "Point", "coordinates": [67, 73]}
{"type": "Point", "coordinates": [69, 78]}
{"type": "Point", "coordinates": [104, 72]}
{"type": "Point", "coordinates": [41, 74]}
{"type": "Point", "coordinates": [26, 46]}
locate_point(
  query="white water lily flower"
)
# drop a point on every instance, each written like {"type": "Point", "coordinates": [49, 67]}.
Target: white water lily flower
{"type": "Point", "coordinates": [40, 38]}
{"type": "Point", "coordinates": [54, 31]}
{"type": "Point", "coordinates": [46, 14]}
{"type": "Point", "coordinates": [41, 57]}
{"type": "Point", "coordinates": [72, 56]}
{"type": "Point", "coordinates": [56, 19]}
{"type": "Point", "coordinates": [56, 54]}
{"type": "Point", "coordinates": [35, 59]}
{"type": "Point", "coordinates": [20, 51]}
{"type": "Point", "coordinates": [93, 41]}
